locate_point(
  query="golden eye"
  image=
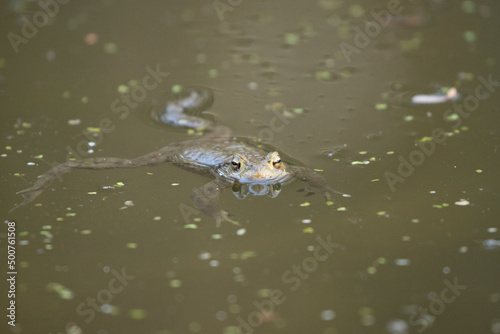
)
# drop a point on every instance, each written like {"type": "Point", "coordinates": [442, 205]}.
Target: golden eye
{"type": "Point", "coordinates": [236, 163]}
{"type": "Point", "coordinates": [275, 160]}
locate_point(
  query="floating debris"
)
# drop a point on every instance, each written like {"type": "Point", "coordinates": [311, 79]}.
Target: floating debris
{"type": "Point", "coordinates": [450, 96]}
{"type": "Point", "coordinates": [462, 202]}
{"type": "Point", "coordinates": [91, 38]}
{"type": "Point", "coordinates": [110, 48]}
{"type": "Point", "coordinates": [491, 244]}
{"type": "Point", "coordinates": [137, 314]}
{"type": "Point", "coordinates": [327, 315]}
{"type": "Point", "coordinates": [61, 290]}
{"type": "Point", "coordinates": [74, 122]}
{"type": "Point", "coordinates": [381, 106]}
{"type": "Point", "coordinates": [402, 262]}
{"type": "Point", "coordinates": [175, 283]}
{"type": "Point", "coordinates": [291, 39]}
{"type": "Point", "coordinates": [470, 36]}
{"type": "Point", "coordinates": [308, 230]}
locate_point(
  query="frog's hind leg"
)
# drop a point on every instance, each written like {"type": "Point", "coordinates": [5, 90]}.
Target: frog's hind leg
{"type": "Point", "coordinates": [206, 199]}
{"type": "Point", "coordinates": [175, 111]}
{"type": "Point", "coordinates": [315, 182]}
{"type": "Point", "coordinates": [163, 155]}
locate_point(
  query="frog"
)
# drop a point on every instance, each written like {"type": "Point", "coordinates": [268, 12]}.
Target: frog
{"type": "Point", "coordinates": [230, 161]}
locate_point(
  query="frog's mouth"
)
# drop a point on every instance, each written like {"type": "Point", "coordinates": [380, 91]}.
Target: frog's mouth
{"type": "Point", "coordinates": [243, 190]}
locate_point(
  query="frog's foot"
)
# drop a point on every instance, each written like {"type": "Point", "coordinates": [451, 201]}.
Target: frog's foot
{"type": "Point", "coordinates": [223, 215]}
{"type": "Point", "coordinates": [29, 195]}
{"type": "Point", "coordinates": [323, 189]}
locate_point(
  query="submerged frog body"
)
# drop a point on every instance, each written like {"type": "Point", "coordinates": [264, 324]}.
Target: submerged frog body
{"type": "Point", "coordinates": [231, 162]}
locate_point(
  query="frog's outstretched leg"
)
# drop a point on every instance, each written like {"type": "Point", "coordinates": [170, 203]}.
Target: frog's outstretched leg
{"type": "Point", "coordinates": [206, 199]}
{"type": "Point", "coordinates": [162, 155]}
{"type": "Point", "coordinates": [176, 114]}
{"type": "Point", "coordinates": [315, 182]}
{"type": "Point", "coordinates": [175, 111]}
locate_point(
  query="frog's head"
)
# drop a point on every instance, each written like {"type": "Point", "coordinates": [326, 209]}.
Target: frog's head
{"type": "Point", "coordinates": [269, 170]}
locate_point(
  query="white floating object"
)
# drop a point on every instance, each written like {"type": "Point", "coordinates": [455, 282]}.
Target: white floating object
{"type": "Point", "coordinates": [402, 262]}
{"type": "Point", "coordinates": [451, 95]}
{"type": "Point", "coordinates": [462, 202]}
{"type": "Point", "coordinates": [74, 122]}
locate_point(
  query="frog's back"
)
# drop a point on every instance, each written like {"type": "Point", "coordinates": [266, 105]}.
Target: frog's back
{"type": "Point", "coordinates": [213, 153]}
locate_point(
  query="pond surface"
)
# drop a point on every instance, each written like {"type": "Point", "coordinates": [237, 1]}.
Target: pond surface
{"type": "Point", "coordinates": [414, 248]}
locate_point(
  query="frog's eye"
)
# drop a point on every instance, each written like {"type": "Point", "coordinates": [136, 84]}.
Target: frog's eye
{"type": "Point", "coordinates": [236, 163]}
{"type": "Point", "coordinates": [275, 160]}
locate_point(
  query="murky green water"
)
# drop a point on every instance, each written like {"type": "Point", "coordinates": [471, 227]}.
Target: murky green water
{"type": "Point", "coordinates": [414, 249]}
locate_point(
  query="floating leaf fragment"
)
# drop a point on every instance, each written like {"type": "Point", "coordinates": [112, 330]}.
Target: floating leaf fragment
{"type": "Point", "coordinates": [470, 36]}
{"type": "Point", "coordinates": [176, 89]}
{"type": "Point", "coordinates": [381, 106]}
{"type": "Point", "coordinates": [424, 139]}
{"type": "Point", "coordinates": [110, 48]}
{"type": "Point", "coordinates": [137, 314]}
{"type": "Point", "coordinates": [175, 283]}
{"type": "Point", "coordinates": [308, 230]}
{"type": "Point", "coordinates": [291, 39]}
